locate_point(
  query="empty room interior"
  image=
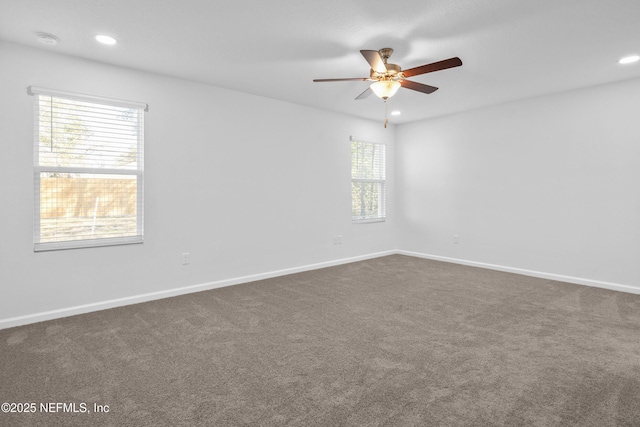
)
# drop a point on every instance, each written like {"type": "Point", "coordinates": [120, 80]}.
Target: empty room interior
{"type": "Point", "coordinates": [410, 213]}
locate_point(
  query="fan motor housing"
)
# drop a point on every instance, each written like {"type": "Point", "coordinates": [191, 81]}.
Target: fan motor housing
{"type": "Point", "coordinates": [392, 71]}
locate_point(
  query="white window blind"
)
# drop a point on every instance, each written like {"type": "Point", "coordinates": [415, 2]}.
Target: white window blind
{"type": "Point", "coordinates": [88, 170]}
{"type": "Point", "coordinates": [368, 174]}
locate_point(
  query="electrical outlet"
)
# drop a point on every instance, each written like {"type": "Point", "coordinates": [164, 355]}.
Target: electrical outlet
{"type": "Point", "coordinates": [337, 240]}
{"type": "Point", "coordinates": [186, 258]}
{"type": "Point", "coordinates": [456, 239]}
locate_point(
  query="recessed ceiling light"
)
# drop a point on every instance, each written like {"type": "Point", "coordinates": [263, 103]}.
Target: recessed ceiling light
{"type": "Point", "coordinates": [395, 113]}
{"type": "Point", "coordinates": [48, 39]}
{"type": "Point", "coordinates": [629, 59]}
{"type": "Point", "coordinates": [108, 40]}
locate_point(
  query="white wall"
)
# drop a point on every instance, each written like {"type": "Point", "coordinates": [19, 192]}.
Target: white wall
{"type": "Point", "coordinates": [246, 185]}
{"type": "Point", "coordinates": [548, 185]}
{"type": "Point", "coordinates": [251, 186]}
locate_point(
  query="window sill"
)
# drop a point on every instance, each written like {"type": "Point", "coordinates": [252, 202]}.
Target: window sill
{"type": "Point", "coordinates": [80, 244]}
{"type": "Point", "coordinates": [368, 221]}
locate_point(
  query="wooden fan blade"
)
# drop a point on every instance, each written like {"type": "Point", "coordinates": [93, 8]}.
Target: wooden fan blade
{"type": "Point", "coordinates": [435, 66]}
{"type": "Point", "coordinates": [364, 94]}
{"type": "Point", "coordinates": [418, 86]}
{"type": "Point", "coordinates": [374, 59]}
{"type": "Point", "coordinates": [360, 79]}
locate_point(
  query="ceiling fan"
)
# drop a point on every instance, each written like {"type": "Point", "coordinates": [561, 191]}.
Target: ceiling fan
{"type": "Point", "coordinates": [388, 78]}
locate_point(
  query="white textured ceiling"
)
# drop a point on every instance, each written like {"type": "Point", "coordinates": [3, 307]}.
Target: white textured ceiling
{"type": "Point", "coordinates": [511, 49]}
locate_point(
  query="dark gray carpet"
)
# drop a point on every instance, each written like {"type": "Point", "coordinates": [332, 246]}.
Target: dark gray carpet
{"type": "Point", "coordinates": [393, 341]}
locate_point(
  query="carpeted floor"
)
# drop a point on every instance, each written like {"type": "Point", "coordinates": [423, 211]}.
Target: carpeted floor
{"type": "Point", "coordinates": [393, 341]}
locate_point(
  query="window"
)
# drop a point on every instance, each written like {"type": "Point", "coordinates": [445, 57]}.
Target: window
{"type": "Point", "coordinates": [367, 180]}
{"type": "Point", "coordinates": [88, 170]}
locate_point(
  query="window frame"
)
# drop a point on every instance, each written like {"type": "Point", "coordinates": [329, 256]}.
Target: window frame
{"type": "Point", "coordinates": [380, 180]}
{"type": "Point", "coordinates": [138, 172]}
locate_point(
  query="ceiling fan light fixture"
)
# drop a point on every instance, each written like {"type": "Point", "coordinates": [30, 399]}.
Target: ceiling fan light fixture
{"type": "Point", "coordinates": [385, 88]}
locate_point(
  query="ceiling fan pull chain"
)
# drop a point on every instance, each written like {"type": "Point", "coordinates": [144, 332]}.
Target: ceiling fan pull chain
{"type": "Point", "coordinates": [386, 116]}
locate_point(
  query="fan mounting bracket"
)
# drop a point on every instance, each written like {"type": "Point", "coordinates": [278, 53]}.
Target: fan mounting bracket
{"type": "Point", "coordinates": [385, 53]}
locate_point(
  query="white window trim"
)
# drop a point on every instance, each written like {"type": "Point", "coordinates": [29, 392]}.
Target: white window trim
{"type": "Point", "coordinates": [37, 90]}
{"type": "Point", "coordinates": [139, 172]}
{"type": "Point", "coordinates": [383, 181]}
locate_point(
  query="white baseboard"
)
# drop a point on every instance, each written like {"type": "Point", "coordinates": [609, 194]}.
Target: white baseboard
{"type": "Point", "coordinates": [524, 272]}
{"type": "Point", "coordinates": [135, 299]}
